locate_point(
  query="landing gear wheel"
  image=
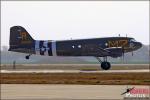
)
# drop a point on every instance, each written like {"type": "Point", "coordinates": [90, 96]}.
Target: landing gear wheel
{"type": "Point", "coordinates": [105, 65]}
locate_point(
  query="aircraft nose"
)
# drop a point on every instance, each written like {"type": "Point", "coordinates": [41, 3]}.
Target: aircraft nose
{"type": "Point", "coordinates": [138, 45]}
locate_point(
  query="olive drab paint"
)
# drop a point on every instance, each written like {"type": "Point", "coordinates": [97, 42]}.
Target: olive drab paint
{"type": "Point", "coordinates": [21, 41]}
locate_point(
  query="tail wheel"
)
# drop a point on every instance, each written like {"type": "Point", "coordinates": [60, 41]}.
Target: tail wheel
{"type": "Point", "coordinates": [105, 65]}
{"type": "Point", "coordinates": [27, 57]}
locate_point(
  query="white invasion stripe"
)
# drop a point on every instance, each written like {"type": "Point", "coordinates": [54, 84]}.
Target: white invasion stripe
{"type": "Point", "coordinates": [46, 45]}
{"type": "Point", "coordinates": [54, 48]}
{"type": "Point", "coordinates": [37, 48]}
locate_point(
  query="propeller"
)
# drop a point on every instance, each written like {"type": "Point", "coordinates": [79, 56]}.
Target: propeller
{"type": "Point", "coordinates": [132, 53]}
{"type": "Point", "coordinates": [123, 54]}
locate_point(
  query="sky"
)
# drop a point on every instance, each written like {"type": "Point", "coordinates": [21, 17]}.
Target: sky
{"type": "Point", "coordinates": [64, 20]}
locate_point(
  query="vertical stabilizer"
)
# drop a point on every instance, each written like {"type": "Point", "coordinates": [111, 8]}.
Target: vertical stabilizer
{"type": "Point", "coordinates": [20, 40]}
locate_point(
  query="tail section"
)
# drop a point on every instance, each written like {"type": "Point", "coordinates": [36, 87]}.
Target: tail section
{"type": "Point", "coordinates": [20, 40]}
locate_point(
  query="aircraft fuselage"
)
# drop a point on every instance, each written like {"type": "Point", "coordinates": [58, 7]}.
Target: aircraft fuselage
{"type": "Point", "coordinates": [21, 41]}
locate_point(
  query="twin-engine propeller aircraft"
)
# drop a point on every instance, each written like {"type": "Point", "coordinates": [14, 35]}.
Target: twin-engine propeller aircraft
{"type": "Point", "coordinates": [21, 41]}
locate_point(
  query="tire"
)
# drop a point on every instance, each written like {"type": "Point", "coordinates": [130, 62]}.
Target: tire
{"type": "Point", "coordinates": [105, 65]}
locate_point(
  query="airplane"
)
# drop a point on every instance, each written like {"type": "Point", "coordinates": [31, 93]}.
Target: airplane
{"type": "Point", "coordinates": [21, 41]}
{"type": "Point", "coordinates": [128, 90]}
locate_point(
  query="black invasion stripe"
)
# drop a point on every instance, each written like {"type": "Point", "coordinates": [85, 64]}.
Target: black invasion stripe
{"type": "Point", "coordinates": [50, 48]}
{"type": "Point", "coordinates": [41, 46]}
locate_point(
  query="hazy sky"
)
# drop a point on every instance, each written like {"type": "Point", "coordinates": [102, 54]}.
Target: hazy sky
{"type": "Point", "coordinates": [59, 20]}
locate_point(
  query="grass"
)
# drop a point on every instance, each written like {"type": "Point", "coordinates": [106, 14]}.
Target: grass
{"type": "Point", "coordinates": [77, 78]}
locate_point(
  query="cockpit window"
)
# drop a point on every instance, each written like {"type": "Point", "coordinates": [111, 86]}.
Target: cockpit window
{"type": "Point", "coordinates": [132, 40]}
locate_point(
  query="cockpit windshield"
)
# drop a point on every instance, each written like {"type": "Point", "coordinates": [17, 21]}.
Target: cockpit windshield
{"type": "Point", "coordinates": [132, 40]}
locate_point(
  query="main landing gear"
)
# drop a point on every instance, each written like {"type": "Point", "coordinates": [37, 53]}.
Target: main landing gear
{"type": "Point", "coordinates": [104, 64]}
{"type": "Point", "coordinates": [28, 56]}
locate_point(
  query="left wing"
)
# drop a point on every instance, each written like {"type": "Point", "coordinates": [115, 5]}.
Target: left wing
{"type": "Point", "coordinates": [115, 51]}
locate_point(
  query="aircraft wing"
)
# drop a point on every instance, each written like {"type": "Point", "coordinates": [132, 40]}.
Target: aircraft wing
{"type": "Point", "coordinates": [124, 93]}
{"type": "Point", "coordinates": [113, 51]}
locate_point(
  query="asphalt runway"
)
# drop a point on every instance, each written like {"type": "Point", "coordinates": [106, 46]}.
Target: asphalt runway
{"type": "Point", "coordinates": [63, 92]}
{"type": "Point", "coordinates": [85, 67]}
{"type": "Point", "coordinates": [73, 71]}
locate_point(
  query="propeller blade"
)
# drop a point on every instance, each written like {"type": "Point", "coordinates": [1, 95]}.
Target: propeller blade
{"type": "Point", "coordinates": [123, 53]}
{"type": "Point", "coordinates": [132, 53]}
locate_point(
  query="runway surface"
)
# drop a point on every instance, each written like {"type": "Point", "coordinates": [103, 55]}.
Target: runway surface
{"type": "Point", "coordinates": [63, 92]}
{"type": "Point", "coordinates": [84, 67]}
{"type": "Point", "coordinates": [73, 71]}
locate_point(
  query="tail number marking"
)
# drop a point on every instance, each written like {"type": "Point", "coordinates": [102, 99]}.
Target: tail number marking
{"type": "Point", "coordinates": [24, 38]}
